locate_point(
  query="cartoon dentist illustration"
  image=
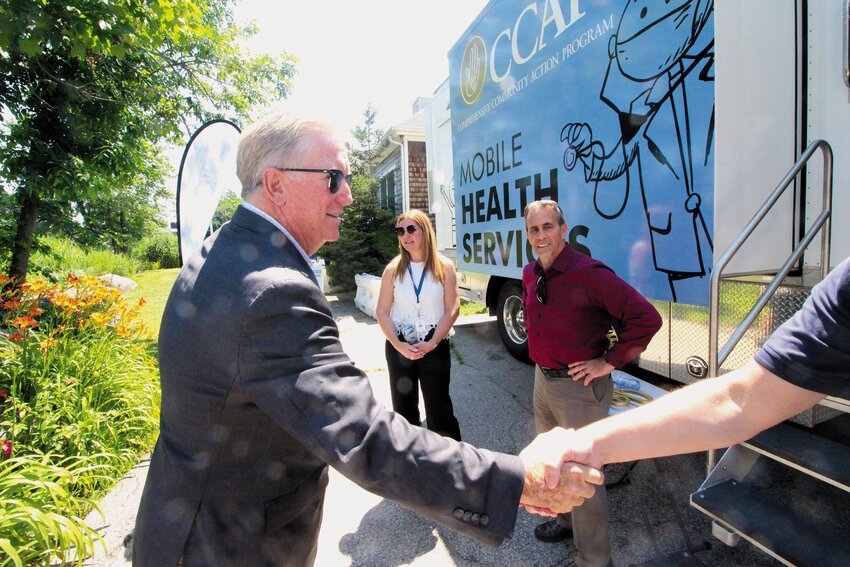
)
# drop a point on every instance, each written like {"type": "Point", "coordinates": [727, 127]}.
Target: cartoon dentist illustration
{"type": "Point", "coordinates": [662, 51]}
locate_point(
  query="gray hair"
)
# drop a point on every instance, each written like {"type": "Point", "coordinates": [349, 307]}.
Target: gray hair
{"type": "Point", "coordinates": [550, 205]}
{"type": "Point", "coordinates": [270, 142]}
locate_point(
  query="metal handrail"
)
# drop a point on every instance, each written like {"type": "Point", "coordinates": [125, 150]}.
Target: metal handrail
{"type": "Point", "coordinates": [823, 220]}
{"type": "Point", "coordinates": [451, 205]}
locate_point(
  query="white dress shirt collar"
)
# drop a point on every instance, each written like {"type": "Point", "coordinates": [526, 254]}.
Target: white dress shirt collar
{"type": "Point", "coordinates": [280, 227]}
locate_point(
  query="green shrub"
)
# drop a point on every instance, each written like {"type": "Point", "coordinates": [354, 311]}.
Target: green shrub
{"type": "Point", "coordinates": [40, 519]}
{"type": "Point", "coordinates": [76, 381]}
{"type": "Point", "coordinates": [366, 238]}
{"type": "Point", "coordinates": [159, 250]}
{"type": "Point", "coordinates": [57, 256]}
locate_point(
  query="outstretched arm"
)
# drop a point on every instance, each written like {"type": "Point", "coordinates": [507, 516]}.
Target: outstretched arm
{"type": "Point", "coordinates": [811, 348]}
{"type": "Point", "coordinates": [715, 413]}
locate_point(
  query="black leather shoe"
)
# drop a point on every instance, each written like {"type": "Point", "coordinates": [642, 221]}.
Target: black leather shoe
{"type": "Point", "coordinates": [552, 532]}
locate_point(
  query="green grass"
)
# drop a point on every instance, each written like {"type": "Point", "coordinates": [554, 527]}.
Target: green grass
{"type": "Point", "coordinates": [471, 307]}
{"type": "Point", "coordinates": [61, 256]}
{"type": "Point", "coordinates": [154, 286]}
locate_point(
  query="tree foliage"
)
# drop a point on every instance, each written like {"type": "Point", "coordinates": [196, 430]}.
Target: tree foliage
{"type": "Point", "coordinates": [226, 207]}
{"type": "Point", "coordinates": [89, 89]}
{"type": "Point", "coordinates": [121, 216]}
{"type": "Point", "coordinates": [363, 155]}
{"type": "Point", "coordinates": [366, 239]}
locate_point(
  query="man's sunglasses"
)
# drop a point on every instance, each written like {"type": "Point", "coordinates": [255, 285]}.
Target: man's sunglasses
{"type": "Point", "coordinates": [334, 180]}
{"type": "Point", "coordinates": [541, 289]}
{"type": "Point", "coordinates": [411, 228]}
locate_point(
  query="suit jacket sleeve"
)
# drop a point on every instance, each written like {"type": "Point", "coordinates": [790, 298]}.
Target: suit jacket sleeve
{"type": "Point", "coordinates": [291, 364]}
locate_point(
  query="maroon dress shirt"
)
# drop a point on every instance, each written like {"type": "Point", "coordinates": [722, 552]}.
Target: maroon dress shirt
{"type": "Point", "coordinates": [584, 298]}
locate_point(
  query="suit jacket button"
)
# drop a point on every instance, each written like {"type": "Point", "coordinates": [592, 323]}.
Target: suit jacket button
{"type": "Point", "coordinates": [467, 516]}
{"type": "Point", "coordinates": [458, 513]}
{"type": "Point", "coordinates": [476, 518]}
{"type": "Point", "coordinates": [485, 519]}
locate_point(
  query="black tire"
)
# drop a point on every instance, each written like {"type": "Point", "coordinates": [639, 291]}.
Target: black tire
{"type": "Point", "coordinates": [510, 315]}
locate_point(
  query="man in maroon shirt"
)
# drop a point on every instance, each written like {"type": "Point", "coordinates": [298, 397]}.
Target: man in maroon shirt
{"type": "Point", "coordinates": [571, 302]}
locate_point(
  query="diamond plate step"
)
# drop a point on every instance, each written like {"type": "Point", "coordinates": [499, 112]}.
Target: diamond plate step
{"type": "Point", "coordinates": [784, 533]}
{"type": "Point", "coordinates": [821, 458]}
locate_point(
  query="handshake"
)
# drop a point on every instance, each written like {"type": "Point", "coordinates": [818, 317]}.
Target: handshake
{"type": "Point", "coordinates": [556, 481]}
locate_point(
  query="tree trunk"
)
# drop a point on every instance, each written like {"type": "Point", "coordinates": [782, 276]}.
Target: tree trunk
{"type": "Point", "coordinates": [22, 247]}
{"type": "Point", "coordinates": [124, 245]}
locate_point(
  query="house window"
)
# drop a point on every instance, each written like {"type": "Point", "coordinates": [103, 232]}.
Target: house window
{"type": "Point", "coordinates": [386, 192]}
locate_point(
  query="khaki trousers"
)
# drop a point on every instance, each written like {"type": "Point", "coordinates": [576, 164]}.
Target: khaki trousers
{"type": "Point", "coordinates": [562, 402]}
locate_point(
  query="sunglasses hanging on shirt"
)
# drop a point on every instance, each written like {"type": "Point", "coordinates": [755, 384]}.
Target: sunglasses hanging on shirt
{"type": "Point", "coordinates": [541, 289]}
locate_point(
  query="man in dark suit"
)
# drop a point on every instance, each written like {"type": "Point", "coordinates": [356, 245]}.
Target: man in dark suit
{"type": "Point", "coordinates": [258, 397]}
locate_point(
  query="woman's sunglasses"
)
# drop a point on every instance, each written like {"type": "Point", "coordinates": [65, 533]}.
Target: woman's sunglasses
{"type": "Point", "coordinates": [411, 228]}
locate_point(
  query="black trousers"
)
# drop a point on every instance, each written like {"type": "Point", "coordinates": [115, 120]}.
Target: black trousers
{"type": "Point", "coordinates": [432, 373]}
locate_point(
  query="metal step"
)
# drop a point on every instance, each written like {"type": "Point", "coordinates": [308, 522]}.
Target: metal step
{"type": "Point", "coordinates": [785, 534]}
{"type": "Point", "coordinates": [821, 458]}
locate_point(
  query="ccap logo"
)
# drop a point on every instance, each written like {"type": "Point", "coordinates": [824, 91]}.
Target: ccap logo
{"type": "Point", "coordinates": [473, 70]}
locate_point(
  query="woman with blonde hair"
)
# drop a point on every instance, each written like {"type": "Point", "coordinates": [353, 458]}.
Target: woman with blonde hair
{"type": "Point", "coordinates": [417, 306]}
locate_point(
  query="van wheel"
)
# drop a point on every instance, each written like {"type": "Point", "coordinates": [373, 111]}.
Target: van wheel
{"type": "Point", "coordinates": [511, 317]}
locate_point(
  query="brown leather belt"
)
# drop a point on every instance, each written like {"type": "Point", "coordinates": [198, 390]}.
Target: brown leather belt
{"type": "Point", "coordinates": [555, 372]}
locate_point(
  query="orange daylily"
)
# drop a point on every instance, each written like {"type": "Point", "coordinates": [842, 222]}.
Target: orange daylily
{"type": "Point", "coordinates": [24, 322]}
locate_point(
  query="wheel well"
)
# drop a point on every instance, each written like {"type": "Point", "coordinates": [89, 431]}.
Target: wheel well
{"type": "Point", "coordinates": [493, 286]}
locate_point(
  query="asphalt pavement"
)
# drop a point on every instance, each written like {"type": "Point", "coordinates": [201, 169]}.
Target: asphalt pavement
{"type": "Point", "coordinates": [651, 521]}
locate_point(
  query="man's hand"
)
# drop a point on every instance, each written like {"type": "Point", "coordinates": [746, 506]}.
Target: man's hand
{"type": "Point", "coordinates": [550, 487]}
{"type": "Point", "coordinates": [589, 370]}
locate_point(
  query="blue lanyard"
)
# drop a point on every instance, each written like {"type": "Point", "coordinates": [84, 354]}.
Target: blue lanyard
{"type": "Point", "coordinates": [416, 288]}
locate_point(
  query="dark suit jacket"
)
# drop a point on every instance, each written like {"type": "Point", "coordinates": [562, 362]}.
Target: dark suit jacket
{"type": "Point", "coordinates": [258, 398]}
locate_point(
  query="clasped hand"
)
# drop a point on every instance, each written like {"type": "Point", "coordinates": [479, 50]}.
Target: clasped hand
{"type": "Point", "coordinates": [550, 490]}
{"type": "Point", "coordinates": [417, 351]}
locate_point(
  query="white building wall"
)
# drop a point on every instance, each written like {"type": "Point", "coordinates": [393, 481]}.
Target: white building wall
{"type": "Point", "coordinates": [755, 127]}
{"type": "Point", "coordinates": [438, 149]}
{"type": "Point", "coordinates": [828, 118]}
